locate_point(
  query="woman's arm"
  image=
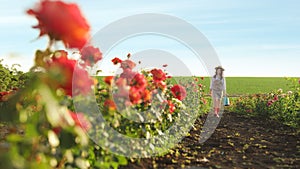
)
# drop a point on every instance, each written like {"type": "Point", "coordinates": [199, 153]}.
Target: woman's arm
{"type": "Point", "coordinates": [224, 85]}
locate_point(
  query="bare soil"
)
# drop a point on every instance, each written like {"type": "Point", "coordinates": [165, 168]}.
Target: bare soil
{"type": "Point", "coordinates": [239, 141]}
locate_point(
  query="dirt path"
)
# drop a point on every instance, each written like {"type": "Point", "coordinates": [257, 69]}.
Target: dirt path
{"type": "Point", "coordinates": [238, 142]}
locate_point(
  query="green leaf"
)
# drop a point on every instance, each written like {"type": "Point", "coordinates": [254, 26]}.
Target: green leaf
{"type": "Point", "coordinates": [31, 130]}
{"type": "Point", "coordinates": [122, 160]}
{"type": "Point", "coordinates": [14, 138]}
{"type": "Point", "coordinates": [67, 140]}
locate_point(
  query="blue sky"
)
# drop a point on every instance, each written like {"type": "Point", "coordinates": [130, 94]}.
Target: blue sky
{"type": "Point", "coordinates": [251, 38]}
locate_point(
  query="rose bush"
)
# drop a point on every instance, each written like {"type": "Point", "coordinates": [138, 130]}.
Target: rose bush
{"type": "Point", "coordinates": [11, 78]}
{"type": "Point", "coordinates": [140, 105]}
{"type": "Point", "coordinates": [47, 132]}
{"type": "Point", "coordinates": [37, 107]}
{"type": "Point", "coordinates": [283, 106]}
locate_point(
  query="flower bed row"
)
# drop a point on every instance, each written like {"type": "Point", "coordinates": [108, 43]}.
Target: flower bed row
{"type": "Point", "coordinates": [283, 106]}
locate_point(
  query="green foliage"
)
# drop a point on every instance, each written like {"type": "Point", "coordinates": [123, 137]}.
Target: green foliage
{"type": "Point", "coordinates": [11, 78]}
{"type": "Point", "coordinates": [35, 144]}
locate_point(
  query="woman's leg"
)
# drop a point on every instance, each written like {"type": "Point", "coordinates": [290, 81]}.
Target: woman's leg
{"type": "Point", "coordinates": [216, 103]}
{"type": "Point", "coordinates": [219, 99]}
{"type": "Point", "coordinates": [217, 106]}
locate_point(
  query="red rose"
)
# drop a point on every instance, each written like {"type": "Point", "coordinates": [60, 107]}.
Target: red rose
{"type": "Point", "coordinates": [110, 104]}
{"type": "Point", "coordinates": [127, 74]}
{"type": "Point", "coordinates": [146, 96]}
{"type": "Point", "coordinates": [137, 91]}
{"type": "Point", "coordinates": [165, 65]}
{"type": "Point", "coordinates": [127, 64]}
{"type": "Point", "coordinates": [5, 95]}
{"type": "Point", "coordinates": [82, 82]}
{"type": "Point", "coordinates": [134, 95]}
{"type": "Point", "coordinates": [116, 60]}
{"type": "Point", "coordinates": [56, 130]}
{"type": "Point", "coordinates": [108, 80]}
{"type": "Point", "coordinates": [270, 103]}
{"type": "Point", "coordinates": [62, 70]}
{"type": "Point", "coordinates": [171, 106]}
{"type": "Point", "coordinates": [178, 92]}
{"type": "Point", "coordinates": [61, 21]}
{"type": "Point", "coordinates": [90, 55]}
{"type": "Point", "coordinates": [160, 84]}
{"type": "Point", "coordinates": [158, 75]}
{"type": "Point", "coordinates": [138, 81]}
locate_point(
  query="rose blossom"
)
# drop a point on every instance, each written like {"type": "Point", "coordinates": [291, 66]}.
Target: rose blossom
{"type": "Point", "coordinates": [171, 106]}
{"type": "Point", "coordinates": [160, 84]}
{"type": "Point", "coordinates": [116, 60]}
{"type": "Point", "coordinates": [158, 75]}
{"type": "Point", "coordinates": [110, 104]}
{"type": "Point", "coordinates": [61, 21]}
{"type": "Point", "coordinates": [138, 81]}
{"type": "Point", "coordinates": [5, 95]}
{"type": "Point", "coordinates": [127, 64]}
{"type": "Point", "coordinates": [90, 55]}
{"type": "Point", "coordinates": [135, 95]}
{"type": "Point", "coordinates": [108, 79]}
{"type": "Point", "coordinates": [62, 70]}
{"type": "Point", "coordinates": [178, 92]}
{"type": "Point", "coordinates": [146, 96]}
{"type": "Point", "coordinates": [128, 74]}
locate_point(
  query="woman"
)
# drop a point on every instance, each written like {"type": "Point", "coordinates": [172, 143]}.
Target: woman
{"type": "Point", "coordinates": [217, 89]}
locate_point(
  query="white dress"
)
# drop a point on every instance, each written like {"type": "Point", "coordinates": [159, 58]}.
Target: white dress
{"type": "Point", "coordinates": [218, 87]}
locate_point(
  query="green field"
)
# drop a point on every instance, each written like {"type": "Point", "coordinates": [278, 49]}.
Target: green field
{"type": "Point", "coordinates": [244, 85]}
{"type": "Point", "coordinates": [252, 85]}
{"type": "Point", "coordinates": [247, 85]}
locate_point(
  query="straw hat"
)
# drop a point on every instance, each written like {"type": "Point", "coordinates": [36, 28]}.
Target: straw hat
{"type": "Point", "coordinates": [219, 67]}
